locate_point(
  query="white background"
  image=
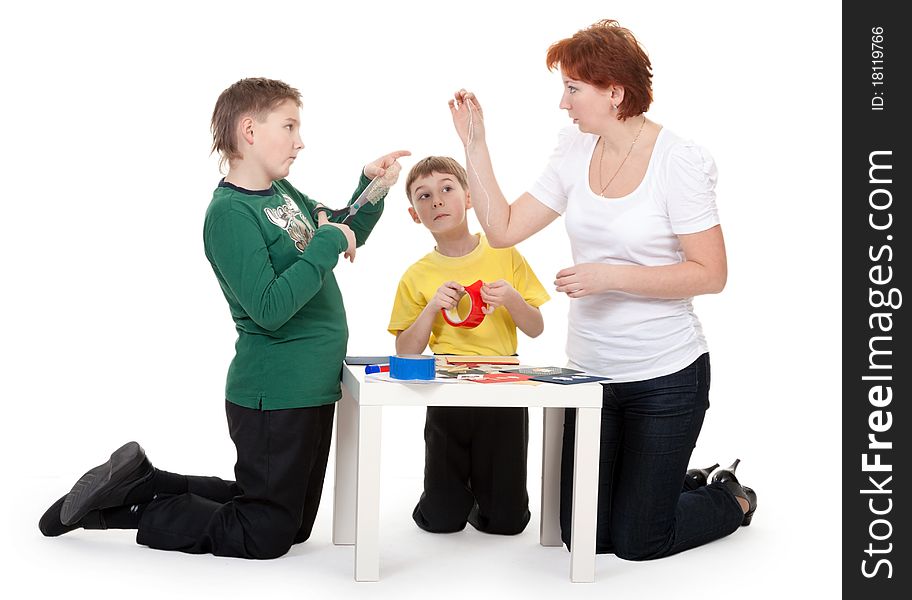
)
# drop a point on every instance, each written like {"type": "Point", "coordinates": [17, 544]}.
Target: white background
{"type": "Point", "coordinates": [116, 328]}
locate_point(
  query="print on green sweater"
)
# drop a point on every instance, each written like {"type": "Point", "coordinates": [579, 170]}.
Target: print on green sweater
{"type": "Point", "coordinates": [288, 217]}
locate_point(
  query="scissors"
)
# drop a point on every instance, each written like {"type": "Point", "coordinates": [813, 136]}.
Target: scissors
{"type": "Point", "coordinates": [372, 194]}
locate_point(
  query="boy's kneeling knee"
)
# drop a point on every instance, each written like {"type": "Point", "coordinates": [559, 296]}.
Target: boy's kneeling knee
{"type": "Point", "coordinates": [270, 542]}
{"type": "Point", "coordinates": [441, 524]}
{"type": "Point", "coordinates": [512, 525]}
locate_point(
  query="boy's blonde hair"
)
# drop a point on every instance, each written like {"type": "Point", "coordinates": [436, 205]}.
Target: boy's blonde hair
{"type": "Point", "coordinates": [435, 164]}
{"type": "Point", "coordinates": [254, 95]}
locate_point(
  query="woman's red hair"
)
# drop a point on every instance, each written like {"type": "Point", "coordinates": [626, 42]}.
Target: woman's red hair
{"type": "Point", "coordinates": [606, 54]}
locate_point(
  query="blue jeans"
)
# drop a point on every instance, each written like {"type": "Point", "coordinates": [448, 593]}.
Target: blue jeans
{"type": "Point", "coordinates": [649, 429]}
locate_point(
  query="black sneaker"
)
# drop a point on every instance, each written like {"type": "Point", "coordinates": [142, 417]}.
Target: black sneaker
{"type": "Point", "coordinates": [51, 526]}
{"type": "Point", "coordinates": [108, 484]}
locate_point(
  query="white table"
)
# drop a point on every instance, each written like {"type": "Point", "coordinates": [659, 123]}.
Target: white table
{"type": "Point", "coordinates": [356, 503]}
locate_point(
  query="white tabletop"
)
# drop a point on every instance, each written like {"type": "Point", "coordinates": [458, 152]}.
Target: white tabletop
{"type": "Point", "coordinates": [468, 393]}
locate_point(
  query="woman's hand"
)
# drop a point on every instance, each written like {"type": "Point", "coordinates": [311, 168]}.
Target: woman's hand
{"type": "Point", "coordinates": [387, 167]}
{"type": "Point", "coordinates": [584, 279]}
{"type": "Point", "coordinates": [349, 235]}
{"type": "Point", "coordinates": [468, 118]}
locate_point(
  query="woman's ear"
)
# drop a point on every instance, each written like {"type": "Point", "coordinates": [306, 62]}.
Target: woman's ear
{"type": "Point", "coordinates": [616, 95]}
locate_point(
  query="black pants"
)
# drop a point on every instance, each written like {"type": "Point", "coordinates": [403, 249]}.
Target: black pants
{"type": "Point", "coordinates": [281, 463]}
{"type": "Point", "coordinates": [649, 429]}
{"type": "Point", "coordinates": [475, 470]}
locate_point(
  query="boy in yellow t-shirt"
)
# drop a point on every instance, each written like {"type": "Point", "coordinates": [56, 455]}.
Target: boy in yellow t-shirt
{"type": "Point", "coordinates": [475, 458]}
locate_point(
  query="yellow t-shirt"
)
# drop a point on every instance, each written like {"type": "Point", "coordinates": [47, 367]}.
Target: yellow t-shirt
{"type": "Point", "coordinates": [496, 335]}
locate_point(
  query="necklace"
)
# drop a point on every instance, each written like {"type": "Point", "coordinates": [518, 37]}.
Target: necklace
{"type": "Point", "coordinates": [626, 156]}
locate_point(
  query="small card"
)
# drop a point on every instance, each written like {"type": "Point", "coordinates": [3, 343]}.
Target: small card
{"type": "Point", "coordinates": [570, 378]}
{"type": "Point", "coordinates": [457, 372]}
{"type": "Point", "coordinates": [502, 378]}
{"type": "Point", "coordinates": [536, 371]}
{"type": "Point", "coordinates": [367, 360]}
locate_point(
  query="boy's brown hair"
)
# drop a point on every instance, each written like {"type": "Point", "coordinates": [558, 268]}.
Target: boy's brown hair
{"type": "Point", "coordinates": [254, 95]}
{"type": "Point", "coordinates": [435, 164]}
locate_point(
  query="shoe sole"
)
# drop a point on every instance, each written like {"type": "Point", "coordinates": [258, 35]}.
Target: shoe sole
{"type": "Point", "coordinates": [89, 492]}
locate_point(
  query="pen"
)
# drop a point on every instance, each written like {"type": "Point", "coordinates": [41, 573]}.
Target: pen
{"type": "Point", "coordinates": [376, 369]}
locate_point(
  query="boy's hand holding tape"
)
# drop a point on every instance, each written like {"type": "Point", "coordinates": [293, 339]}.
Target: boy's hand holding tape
{"type": "Point", "coordinates": [447, 297]}
{"type": "Point", "coordinates": [494, 294]}
{"type": "Point", "coordinates": [499, 293]}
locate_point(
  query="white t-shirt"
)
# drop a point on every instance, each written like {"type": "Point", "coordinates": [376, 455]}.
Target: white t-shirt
{"type": "Point", "coordinates": [615, 334]}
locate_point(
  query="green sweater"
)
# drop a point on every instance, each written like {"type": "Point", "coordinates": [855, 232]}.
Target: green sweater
{"type": "Point", "coordinates": [275, 268]}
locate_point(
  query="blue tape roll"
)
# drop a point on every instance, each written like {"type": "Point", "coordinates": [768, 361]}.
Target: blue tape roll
{"type": "Point", "coordinates": [412, 366]}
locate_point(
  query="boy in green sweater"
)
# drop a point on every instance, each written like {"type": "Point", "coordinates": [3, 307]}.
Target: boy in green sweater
{"type": "Point", "coordinates": [274, 262]}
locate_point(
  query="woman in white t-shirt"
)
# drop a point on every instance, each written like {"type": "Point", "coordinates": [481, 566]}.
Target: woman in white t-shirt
{"type": "Point", "coordinates": [640, 213]}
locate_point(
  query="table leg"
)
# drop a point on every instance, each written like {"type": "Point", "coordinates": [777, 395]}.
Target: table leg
{"type": "Point", "coordinates": [585, 495]}
{"type": "Point", "coordinates": [346, 469]}
{"type": "Point", "coordinates": [553, 431]}
{"type": "Point", "coordinates": [367, 520]}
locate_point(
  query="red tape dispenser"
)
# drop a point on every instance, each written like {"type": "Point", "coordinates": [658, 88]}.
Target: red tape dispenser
{"type": "Point", "coordinates": [475, 316]}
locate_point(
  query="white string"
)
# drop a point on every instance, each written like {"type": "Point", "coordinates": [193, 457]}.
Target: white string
{"type": "Point", "coordinates": [469, 139]}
